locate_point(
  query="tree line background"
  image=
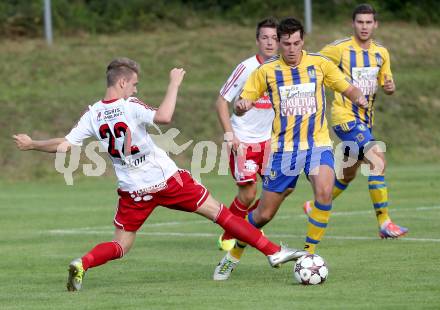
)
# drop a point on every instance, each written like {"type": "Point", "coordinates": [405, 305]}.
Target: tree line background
{"type": "Point", "coordinates": [25, 17]}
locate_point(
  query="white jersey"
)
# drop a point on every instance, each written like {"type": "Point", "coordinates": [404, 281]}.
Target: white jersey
{"type": "Point", "coordinates": [256, 125]}
{"type": "Point", "coordinates": [120, 125]}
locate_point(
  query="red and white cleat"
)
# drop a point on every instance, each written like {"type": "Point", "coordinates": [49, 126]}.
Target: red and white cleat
{"type": "Point", "coordinates": [392, 231]}
{"type": "Point", "coordinates": [307, 207]}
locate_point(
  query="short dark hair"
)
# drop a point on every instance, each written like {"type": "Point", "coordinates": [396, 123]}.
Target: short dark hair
{"type": "Point", "coordinates": [270, 22]}
{"type": "Point", "coordinates": [364, 8]}
{"type": "Point", "coordinates": [121, 67]}
{"type": "Point", "coordinates": [289, 26]}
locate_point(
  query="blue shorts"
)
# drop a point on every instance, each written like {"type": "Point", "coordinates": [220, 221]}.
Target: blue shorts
{"type": "Point", "coordinates": [352, 134]}
{"type": "Point", "coordinates": [284, 168]}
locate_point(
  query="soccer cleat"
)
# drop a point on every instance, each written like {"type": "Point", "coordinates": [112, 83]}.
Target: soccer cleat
{"type": "Point", "coordinates": [392, 231]}
{"type": "Point", "coordinates": [226, 244]}
{"type": "Point", "coordinates": [307, 207]}
{"type": "Point", "coordinates": [284, 255]}
{"type": "Point", "coordinates": [224, 268]}
{"type": "Point", "coordinates": [76, 275]}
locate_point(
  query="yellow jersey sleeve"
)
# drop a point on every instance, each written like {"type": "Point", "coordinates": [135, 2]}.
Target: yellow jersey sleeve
{"type": "Point", "coordinates": [333, 77]}
{"type": "Point", "coordinates": [385, 69]}
{"type": "Point", "coordinates": [255, 85]}
{"type": "Point", "coordinates": [332, 52]}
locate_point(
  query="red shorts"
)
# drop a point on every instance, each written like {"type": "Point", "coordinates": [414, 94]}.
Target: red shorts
{"type": "Point", "coordinates": [179, 192]}
{"type": "Point", "coordinates": [252, 160]}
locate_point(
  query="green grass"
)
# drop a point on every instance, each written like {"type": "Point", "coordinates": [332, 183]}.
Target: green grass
{"type": "Point", "coordinates": [46, 224]}
{"type": "Point", "coordinates": [44, 90]}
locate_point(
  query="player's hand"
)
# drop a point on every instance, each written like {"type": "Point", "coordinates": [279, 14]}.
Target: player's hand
{"type": "Point", "coordinates": [235, 144]}
{"type": "Point", "coordinates": [23, 141]}
{"type": "Point", "coordinates": [232, 140]}
{"type": "Point", "coordinates": [241, 106]}
{"type": "Point", "coordinates": [389, 87]}
{"type": "Point", "coordinates": [362, 102]}
{"type": "Point", "coordinates": [176, 76]}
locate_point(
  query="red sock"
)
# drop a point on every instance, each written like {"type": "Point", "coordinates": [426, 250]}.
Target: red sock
{"type": "Point", "coordinates": [245, 232]}
{"type": "Point", "coordinates": [239, 209]}
{"type": "Point", "coordinates": [101, 254]}
{"type": "Point", "coordinates": [254, 206]}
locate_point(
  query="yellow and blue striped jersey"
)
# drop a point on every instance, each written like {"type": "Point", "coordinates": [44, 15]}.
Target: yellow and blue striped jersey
{"type": "Point", "coordinates": [298, 98]}
{"type": "Point", "coordinates": [366, 69]}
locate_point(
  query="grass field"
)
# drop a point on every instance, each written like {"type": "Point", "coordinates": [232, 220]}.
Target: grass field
{"type": "Point", "coordinates": [46, 224]}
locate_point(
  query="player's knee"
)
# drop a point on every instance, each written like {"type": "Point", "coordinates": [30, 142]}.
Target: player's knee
{"type": "Point", "coordinates": [324, 194]}
{"type": "Point", "coordinates": [265, 217]}
{"type": "Point", "coordinates": [247, 198]}
{"type": "Point", "coordinates": [384, 165]}
{"type": "Point", "coordinates": [378, 166]}
{"type": "Point", "coordinates": [125, 240]}
{"type": "Point", "coordinates": [349, 174]}
{"type": "Point", "coordinates": [348, 177]}
{"type": "Point", "coordinates": [210, 208]}
{"type": "Point", "coordinates": [125, 245]}
{"type": "Point", "coordinates": [247, 194]}
{"type": "Point", "coordinates": [126, 249]}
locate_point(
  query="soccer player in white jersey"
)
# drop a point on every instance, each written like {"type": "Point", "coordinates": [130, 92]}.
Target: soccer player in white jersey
{"type": "Point", "coordinates": [147, 176]}
{"type": "Point", "coordinates": [248, 135]}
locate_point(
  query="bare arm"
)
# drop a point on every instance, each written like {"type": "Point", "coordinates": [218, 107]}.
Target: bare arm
{"type": "Point", "coordinates": [164, 113]}
{"type": "Point", "coordinates": [223, 114]}
{"type": "Point", "coordinates": [356, 96]}
{"type": "Point", "coordinates": [25, 143]}
{"type": "Point", "coordinates": [225, 121]}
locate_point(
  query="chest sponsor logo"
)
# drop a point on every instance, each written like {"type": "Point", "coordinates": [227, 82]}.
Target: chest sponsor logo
{"type": "Point", "coordinates": [298, 99]}
{"type": "Point", "coordinates": [263, 102]}
{"type": "Point", "coordinates": [365, 79]}
{"type": "Point", "coordinates": [131, 162]}
{"type": "Point", "coordinates": [109, 114]}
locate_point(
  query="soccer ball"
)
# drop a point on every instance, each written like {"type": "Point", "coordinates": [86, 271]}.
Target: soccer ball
{"type": "Point", "coordinates": [310, 269]}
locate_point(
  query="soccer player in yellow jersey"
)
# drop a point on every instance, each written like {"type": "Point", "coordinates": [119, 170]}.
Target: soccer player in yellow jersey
{"type": "Point", "coordinates": [367, 64]}
{"type": "Point", "coordinates": [295, 82]}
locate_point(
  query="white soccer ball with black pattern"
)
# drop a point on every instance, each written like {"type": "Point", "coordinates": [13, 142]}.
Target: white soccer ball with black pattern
{"type": "Point", "coordinates": [310, 269]}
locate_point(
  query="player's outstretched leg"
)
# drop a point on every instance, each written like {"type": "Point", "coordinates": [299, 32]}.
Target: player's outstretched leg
{"type": "Point", "coordinates": [240, 207]}
{"type": "Point", "coordinates": [247, 233]}
{"type": "Point", "coordinates": [242, 230]}
{"type": "Point", "coordinates": [226, 242]}
{"type": "Point", "coordinates": [99, 255]}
